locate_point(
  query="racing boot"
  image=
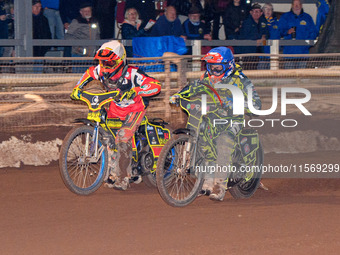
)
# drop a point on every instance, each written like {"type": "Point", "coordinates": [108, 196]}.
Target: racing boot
{"type": "Point", "coordinates": [207, 187]}
{"type": "Point", "coordinates": [217, 193]}
{"type": "Point", "coordinates": [261, 186]}
{"type": "Point", "coordinates": [121, 184]}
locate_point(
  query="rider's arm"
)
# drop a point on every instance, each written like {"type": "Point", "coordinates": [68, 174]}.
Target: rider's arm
{"type": "Point", "coordinates": [87, 77]}
{"type": "Point", "coordinates": [146, 86]}
{"type": "Point", "coordinates": [192, 89]}
{"type": "Point", "coordinates": [247, 84]}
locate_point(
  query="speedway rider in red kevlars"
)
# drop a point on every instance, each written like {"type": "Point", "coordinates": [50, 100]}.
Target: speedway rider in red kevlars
{"type": "Point", "coordinates": [135, 87]}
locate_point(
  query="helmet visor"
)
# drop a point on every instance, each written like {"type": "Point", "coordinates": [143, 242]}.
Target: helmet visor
{"type": "Point", "coordinates": [216, 69]}
{"type": "Point", "coordinates": [109, 64]}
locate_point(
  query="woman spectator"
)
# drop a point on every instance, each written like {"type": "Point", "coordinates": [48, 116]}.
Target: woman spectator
{"type": "Point", "coordinates": [131, 28]}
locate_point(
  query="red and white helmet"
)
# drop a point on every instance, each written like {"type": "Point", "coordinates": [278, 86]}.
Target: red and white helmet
{"type": "Point", "coordinates": [112, 59]}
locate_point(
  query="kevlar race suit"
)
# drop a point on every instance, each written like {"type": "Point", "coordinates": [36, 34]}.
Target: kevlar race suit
{"type": "Point", "coordinates": [219, 139]}
{"type": "Point", "coordinates": [131, 111]}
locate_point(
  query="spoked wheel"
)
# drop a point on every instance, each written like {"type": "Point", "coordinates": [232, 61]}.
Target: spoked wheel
{"type": "Point", "coordinates": [177, 181]}
{"type": "Point", "coordinates": [246, 187]}
{"type": "Point", "coordinates": [80, 171]}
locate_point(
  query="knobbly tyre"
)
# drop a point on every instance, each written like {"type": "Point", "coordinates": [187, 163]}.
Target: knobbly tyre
{"type": "Point", "coordinates": [84, 161]}
{"type": "Point", "coordinates": [179, 180]}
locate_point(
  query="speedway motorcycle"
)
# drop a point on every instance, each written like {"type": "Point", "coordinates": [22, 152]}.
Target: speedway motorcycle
{"type": "Point", "coordinates": [84, 155]}
{"type": "Point", "coordinates": [179, 179]}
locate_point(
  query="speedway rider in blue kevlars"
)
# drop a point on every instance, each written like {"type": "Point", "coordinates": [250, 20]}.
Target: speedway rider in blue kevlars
{"type": "Point", "coordinates": [221, 68]}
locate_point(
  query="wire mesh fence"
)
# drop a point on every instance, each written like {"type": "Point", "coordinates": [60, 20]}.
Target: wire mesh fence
{"type": "Point", "coordinates": [35, 92]}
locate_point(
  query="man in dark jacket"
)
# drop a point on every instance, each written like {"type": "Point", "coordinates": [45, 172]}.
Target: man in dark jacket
{"type": "Point", "coordinates": [195, 29]}
{"type": "Point", "coordinates": [254, 28]}
{"type": "Point", "coordinates": [234, 15]}
{"type": "Point", "coordinates": [168, 24]}
{"type": "Point", "coordinates": [41, 28]}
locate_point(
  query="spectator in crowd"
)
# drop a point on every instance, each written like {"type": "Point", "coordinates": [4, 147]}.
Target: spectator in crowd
{"type": "Point", "coordinates": [182, 8]}
{"type": "Point", "coordinates": [3, 26]}
{"type": "Point", "coordinates": [195, 29]}
{"type": "Point", "coordinates": [206, 9]}
{"type": "Point", "coordinates": [323, 9]}
{"type": "Point", "coordinates": [7, 27]}
{"type": "Point", "coordinates": [131, 28]}
{"type": "Point", "coordinates": [51, 12]}
{"type": "Point", "coordinates": [146, 9]}
{"type": "Point", "coordinates": [168, 24]}
{"type": "Point", "coordinates": [274, 33]}
{"type": "Point", "coordinates": [105, 10]}
{"type": "Point", "coordinates": [234, 16]}
{"type": "Point", "coordinates": [272, 24]}
{"type": "Point", "coordinates": [41, 28]}
{"type": "Point", "coordinates": [9, 7]}
{"type": "Point", "coordinates": [69, 10]}
{"type": "Point", "coordinates": [296, 24]}
{"type": "Point", "coordinates": [254, 28]}
{"type": "Point", "coordinates": [85, 27]}
{"type": "Point", "coordinates": [219, 8]}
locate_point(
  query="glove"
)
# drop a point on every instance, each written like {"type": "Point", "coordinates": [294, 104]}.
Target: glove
{"type": "Point", "coordinates": [75, 94]}
{"type": "Point", "coordinates": [131, 94]}
{"type": "Point", "coordinates": [174, 99]}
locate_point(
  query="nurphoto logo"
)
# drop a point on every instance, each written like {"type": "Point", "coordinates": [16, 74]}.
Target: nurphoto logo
{"type": "Point", "coordinates": [238, 105]}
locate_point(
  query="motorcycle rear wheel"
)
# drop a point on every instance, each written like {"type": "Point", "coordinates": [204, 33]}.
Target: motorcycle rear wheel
{"type": "Point", "coordinates": [177, 186]}
{"type": "Point", "coordinates": [247, 188]}
{"type": "Point", "coordinates": [79, 175]}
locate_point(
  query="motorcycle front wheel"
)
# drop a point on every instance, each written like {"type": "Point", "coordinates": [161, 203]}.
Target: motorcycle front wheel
{"type": "Point", "coordinates": [80, 173]}
{"type": "Point", "coordinates": [177, 181]}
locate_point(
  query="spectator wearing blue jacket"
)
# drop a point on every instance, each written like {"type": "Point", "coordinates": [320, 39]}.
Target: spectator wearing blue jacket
{"type": "Point", "coordinates": [195, 29]}
{"type": "Point", "coordinates": [254, 28]}
{"type": "Point", "coordinates": [274, 32]}
{"type": "Point", "coordinates": [168, 24]}
{"type": "Point", "coordinates": [323, 9]}
{"type": "Point", "coordinates": [304, 28]}
{"type": "Point", "coordinates": [298, 25]}
{"type": "Point", "coordinates": [272, 24]}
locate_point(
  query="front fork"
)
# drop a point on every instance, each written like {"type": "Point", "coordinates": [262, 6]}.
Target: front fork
{"type": "Point", "coordinates": [91, 152]}
{"type": "Point", "coordinates": [188, 153]}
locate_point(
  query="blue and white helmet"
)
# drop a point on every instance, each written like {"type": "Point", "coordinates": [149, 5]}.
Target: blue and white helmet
{"type": "Point", "coordinates": [220, 63]}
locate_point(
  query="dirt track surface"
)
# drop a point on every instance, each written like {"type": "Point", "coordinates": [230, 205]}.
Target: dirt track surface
{"type": "Point", "coordinates": [40, 216]}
